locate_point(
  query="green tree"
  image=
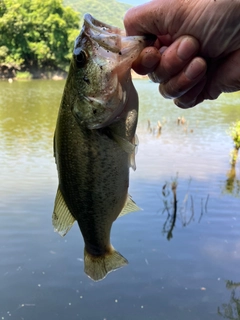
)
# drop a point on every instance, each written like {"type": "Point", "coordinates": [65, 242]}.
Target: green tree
{"type": "Point", "coordinates": [108, 11]}
{"type": "Point", "coordinates": [36, 34]}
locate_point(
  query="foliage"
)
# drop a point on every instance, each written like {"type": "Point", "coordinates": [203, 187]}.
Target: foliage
{"type": "Point", "coordinates": [23, 75]}
{"type": "Point", "coordinates": [234, 132]}
{"type": "Point", "coordinates": [234, 156]}
{"type": "Point", "coordinates": [39, 35]}
{"type": "Point", "coordinates": [231, 310]}
{"type": "Point", "coordinates": [36, 34]}
{"type": "Point", "coordinates": [108, 11]}
{"type": "Point", "coordinates": [232, 184]}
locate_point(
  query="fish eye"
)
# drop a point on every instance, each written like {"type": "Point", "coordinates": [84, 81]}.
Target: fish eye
{"type": "Point", "coordinates": [81, 59]}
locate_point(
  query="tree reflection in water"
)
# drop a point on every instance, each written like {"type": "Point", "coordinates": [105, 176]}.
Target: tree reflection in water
{"type": "Point", "coordinates": [232, 184]}
{"type": "Point", "coordinates": [231, 310]}
{"type": "Point", "coordinates": [185, 212]}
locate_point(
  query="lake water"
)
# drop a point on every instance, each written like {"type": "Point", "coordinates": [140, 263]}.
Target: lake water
{"type": "Point", "coordinates": [189, 270]}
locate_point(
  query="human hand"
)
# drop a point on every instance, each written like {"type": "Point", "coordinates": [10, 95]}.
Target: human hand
{"type": "Point", "coordinates": [216, 26]}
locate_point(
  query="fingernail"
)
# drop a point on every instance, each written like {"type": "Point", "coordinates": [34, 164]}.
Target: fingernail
{"type": "Point", "coordinates": [178, 104]}
{"type": "Point", "coordinates": [187, 47]}
{"type": "Point", "coordinates": [162, 49]}
{"type": "Point", "coordinates": [195, 68]}
{"type": "Point", "coordinates": [181, 105]}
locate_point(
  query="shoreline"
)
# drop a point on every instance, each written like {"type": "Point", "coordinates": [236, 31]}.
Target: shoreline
{"type": "Point", "coordinates": [12, 74]}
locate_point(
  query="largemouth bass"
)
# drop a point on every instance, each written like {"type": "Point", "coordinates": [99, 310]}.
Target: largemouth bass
{"type": "Point", "coordinates": [94, 143]}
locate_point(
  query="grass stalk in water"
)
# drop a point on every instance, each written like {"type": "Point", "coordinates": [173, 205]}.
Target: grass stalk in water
{"type": "Point", "coordinates": [234, 132]}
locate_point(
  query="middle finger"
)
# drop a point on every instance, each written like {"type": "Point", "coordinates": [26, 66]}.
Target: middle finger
{"type": "Point", "coordinates": [175, 58]}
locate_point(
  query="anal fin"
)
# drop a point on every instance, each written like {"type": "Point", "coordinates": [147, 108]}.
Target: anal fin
{"type": "Point", "coordinates": [130, 206]}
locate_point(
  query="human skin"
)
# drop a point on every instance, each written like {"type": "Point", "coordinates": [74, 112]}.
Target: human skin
{"type": "Point", "coordinates": [197, 52]}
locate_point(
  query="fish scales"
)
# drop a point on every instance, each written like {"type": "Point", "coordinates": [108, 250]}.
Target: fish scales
{"type": "Point", "coordinates": [94, 143]}
{"type": "Point", "coordinates": [93, 154]}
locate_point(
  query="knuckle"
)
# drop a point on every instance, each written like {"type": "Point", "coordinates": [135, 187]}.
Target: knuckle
{"type": "Point", "coordinates": [154, 77]}
{"type": "Point", "coordinates": [171, 89]}
{"type": "Point", "coordinates": [169, 69]}
{"type": "Point", "coordinates": [168, 91]}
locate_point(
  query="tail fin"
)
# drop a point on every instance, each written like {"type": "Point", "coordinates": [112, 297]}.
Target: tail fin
{"type": "Point", "coordinates": [97, 267]}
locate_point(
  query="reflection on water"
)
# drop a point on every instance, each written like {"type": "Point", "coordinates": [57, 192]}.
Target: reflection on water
{"type": "Point", "coordinates": [231, 310]}
{"type": "Point", "coordinates": [183, 209]}
{"type": "Point", "coordinates": [180, 182]}
{"type": "Point", "coordinates": [232, 184]}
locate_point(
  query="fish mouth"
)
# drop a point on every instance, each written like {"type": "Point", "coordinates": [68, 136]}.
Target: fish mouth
{"type": "Point", "coordinates": [107, 36]}
{"type": "Point", "coordinates": [97, 25]}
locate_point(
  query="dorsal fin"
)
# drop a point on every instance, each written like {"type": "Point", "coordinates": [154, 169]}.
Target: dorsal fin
{"type": "Point", "coordinates": [62, 218]}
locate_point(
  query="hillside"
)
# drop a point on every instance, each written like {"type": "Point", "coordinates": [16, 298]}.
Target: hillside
{"type": "Point", "coordinates": [108, 11]}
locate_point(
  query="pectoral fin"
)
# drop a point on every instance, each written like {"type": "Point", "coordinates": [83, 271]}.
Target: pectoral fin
{"type": "Point", "coordinates": [62, 218]}
{"type": "Point", "coordinates": [132, 162]}
{"type": "Point", "coordinates": [130, 206]}
{"type": "Point", "coordinates": [128, 147]}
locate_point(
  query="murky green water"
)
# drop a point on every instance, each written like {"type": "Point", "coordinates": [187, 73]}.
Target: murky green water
{"type": "Point", "coordinates": [194, 275]}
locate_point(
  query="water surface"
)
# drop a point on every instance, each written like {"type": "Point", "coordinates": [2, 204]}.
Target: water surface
{"type": "Point", "coordinates": [187, 270]}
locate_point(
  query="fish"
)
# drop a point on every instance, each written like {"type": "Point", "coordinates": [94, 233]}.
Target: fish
{"type": "Point", "coordinates": [95, 141]}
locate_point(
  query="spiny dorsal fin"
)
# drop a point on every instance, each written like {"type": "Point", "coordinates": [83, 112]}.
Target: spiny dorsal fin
{"type": "Point", "coordinates": [130, 206]}
{"type": "Point", "coordinates": [62, 219]}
